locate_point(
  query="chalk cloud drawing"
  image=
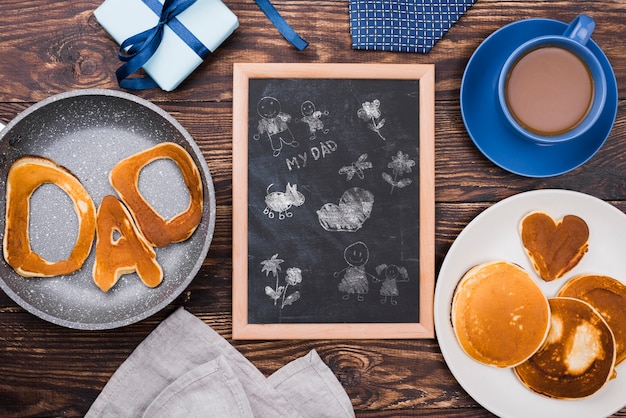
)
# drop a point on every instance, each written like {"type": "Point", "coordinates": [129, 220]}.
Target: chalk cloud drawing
{"type": "Point", "coordinates": [281, 202]}
{"type": "Point", "coordinates": [274, 124]}
{"type": "Point", "coordinates": [370, 113]}
{"type": "Point", "coordinates": [355, 279]}
{"type": "Point", "coordinates": [356, 167]}
{"type": "Point", "coordinates": [392, 276]}
{"type": "Point", "coordinates": [293, 278]}
{"type": "Point", "coordinates": [400, 164]}
{"type": "Point", "coordinates": [313, 118]}
{"type": "Point", "coordinates": [354, 208]}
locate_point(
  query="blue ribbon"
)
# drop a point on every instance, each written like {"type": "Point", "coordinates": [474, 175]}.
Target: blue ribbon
{"type": "Point", "coordinates": [138, 49]}
{"type": "Point", "coordinates": [280, 24]}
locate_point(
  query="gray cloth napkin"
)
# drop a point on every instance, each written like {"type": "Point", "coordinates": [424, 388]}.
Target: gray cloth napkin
{"type": "Point", "coordinates": [184, 368]}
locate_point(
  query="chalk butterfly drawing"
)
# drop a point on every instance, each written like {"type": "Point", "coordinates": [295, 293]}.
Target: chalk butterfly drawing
{"type": "Point", "coordinates": [313, 118]}
{"type": "Point", "coordinates": [274, 124]}
{"type": "Point", "coordinates": [293, 278]}
{"type": "Point", "coordinates": [400, 164]}
{"type": "Point", "coordinates": [392, 276]}
{"type": "Point", "coordinates": [354, 208]}
{"type": "Point", "coordinates": [356, 167]}
{"type": "Point", "coordinates": [355, 278]}
{"type": "Point", "coordinates": [370, 113]}
{"type": "Point", "coordinates": [281, 202]}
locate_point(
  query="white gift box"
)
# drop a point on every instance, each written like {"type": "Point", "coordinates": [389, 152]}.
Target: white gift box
{"type": "Point", "coordinates": [210, 21]}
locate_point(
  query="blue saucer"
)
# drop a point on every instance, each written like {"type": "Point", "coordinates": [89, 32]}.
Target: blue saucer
{"type": "Point", "coordinates": [487, 126]}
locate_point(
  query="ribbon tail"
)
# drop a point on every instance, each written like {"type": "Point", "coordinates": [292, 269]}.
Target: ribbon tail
{"type": "Point", "coordinates": [138, 83]}
{"type": "Point", "coordinates": [281, 24]}
{"type": "Point", "coordinates": [135, 62]}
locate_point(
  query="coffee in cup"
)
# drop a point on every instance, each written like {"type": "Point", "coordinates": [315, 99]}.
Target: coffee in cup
{"type": "Point", "coordinates": [553, 88]}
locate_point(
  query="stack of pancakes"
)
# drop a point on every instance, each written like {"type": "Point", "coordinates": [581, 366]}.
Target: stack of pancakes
{"type": "Point", "coordinates": [564, 347]}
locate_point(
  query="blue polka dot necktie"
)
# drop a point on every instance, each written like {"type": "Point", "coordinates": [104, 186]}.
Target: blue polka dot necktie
{"type": "Point", "coordinates": [403, 25]}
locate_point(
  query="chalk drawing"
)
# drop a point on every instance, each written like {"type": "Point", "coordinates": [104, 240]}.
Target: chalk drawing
{"type": "Point", "coordinates": [356, 167]}
{"type": "Point", "coordinates": [354, 208]}
{"type": "Point", "coordinates": [293, 278]}
{"type": "Point", "coordinates": [313, 118]}
{"type": "Point", "coordinates": [274, 124]}
{"type": "Point", "coordinates": [392, 276]}
{"type": "Point", "coordinates": [400, 164]}
{"type": "Point", "coordinates": [355, 278]}
{"type": "Point", "coordinates": [370, 113]}
{"type": "Point", "coordinates": [281, 202]}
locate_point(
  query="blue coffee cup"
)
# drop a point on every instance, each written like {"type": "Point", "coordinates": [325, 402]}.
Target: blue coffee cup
{"type": "Point", "coordinates": [542, 89]}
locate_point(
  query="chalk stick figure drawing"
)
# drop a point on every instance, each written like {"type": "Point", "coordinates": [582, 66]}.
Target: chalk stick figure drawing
{"type": "Point", "coordinates": [400, 164]}
{"type": "Point", "coordinates": [370, 113]}
{"type": "Point", "coordinates": [355, 279]}
{"type": "Point", "coordinates": [293, 278]}
{"type": "Point", "coordinates": [354, 208]}
{"type": "Point", "coordinates": [313, 118]}
{"type": "Point", "coordinates": [274, 124]}
{"type": "Point", "coordinates": [281, 202]}
{"type": "Point", "coordinates": [392, 276]}
{"type": "Point", "coordinates": [356, 167]}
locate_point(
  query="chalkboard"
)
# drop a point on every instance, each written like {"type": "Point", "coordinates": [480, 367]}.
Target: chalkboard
{"type": "Point", "coordinates": [333, 190]}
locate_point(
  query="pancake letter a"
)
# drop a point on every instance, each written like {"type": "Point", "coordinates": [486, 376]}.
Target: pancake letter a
{"type": "Point", "coordinates": [121, 248]}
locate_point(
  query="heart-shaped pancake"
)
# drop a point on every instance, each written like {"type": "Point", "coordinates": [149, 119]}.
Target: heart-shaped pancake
{"type": "Point", "coordinates": [554, 247]}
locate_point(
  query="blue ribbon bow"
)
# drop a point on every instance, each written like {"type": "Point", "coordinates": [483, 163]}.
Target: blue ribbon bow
{"type": "Point", "coordinates": [138, 49]}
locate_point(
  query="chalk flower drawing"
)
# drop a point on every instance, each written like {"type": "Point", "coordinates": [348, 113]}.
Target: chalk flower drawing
{"type": "Point", "coordinates": [354, 208]}
{"type": "Point", "coordinates": [274, 124]}
{"type": "Point", "coordinates": [313, 118]}
{"type": "Point", "coordinates": [370, 113]}
{"type": "Point", "coordinates": [392, 276]}
{"type": "Point", "coordinates": [356, 167]}
{"type": "Point", "coordinates": [281, 202]}
{"type": "Point", "coordinates": [400, 164]}
{"type": "Point", "coordinates": [293, 278]}
{"type": "Point", "coordinates": [355, 278]}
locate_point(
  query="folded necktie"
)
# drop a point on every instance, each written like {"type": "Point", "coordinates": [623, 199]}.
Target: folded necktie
{"type": "Point", "coordinates": [403, 25]}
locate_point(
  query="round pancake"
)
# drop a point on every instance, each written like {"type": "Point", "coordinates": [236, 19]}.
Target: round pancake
{"type": "Point", "coordinates": [608, 296]}
{"type": "Point", "coordinates": [578, 356]}
{"type": "Point", "coordinates": [500, 316]}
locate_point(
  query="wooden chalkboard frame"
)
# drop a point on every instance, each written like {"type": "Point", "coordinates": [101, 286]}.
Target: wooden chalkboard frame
{"type": "Point", "coordinates": [243, 73]}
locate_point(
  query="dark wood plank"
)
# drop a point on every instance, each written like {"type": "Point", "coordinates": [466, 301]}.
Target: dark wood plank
{"type": "Point", "coordinates": [52, 47]}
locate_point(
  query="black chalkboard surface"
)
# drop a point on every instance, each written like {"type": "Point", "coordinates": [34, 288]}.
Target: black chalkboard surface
{"type": "Point", "coordinates": [335, 175]}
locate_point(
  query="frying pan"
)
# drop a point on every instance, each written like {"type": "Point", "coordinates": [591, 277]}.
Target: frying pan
{"type": "Point", "coordinates": [89, 132]}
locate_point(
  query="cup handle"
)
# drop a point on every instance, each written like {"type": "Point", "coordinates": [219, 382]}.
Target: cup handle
{"type": "Point", "coordinates": [580, 29]}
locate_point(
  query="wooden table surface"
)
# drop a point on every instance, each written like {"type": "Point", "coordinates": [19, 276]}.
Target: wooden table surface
{"type": "Point", "coordinates": [56, 46]}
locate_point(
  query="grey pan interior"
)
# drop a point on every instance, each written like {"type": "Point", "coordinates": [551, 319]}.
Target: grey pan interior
{"type": "Point", "coordinates": [88, 132]}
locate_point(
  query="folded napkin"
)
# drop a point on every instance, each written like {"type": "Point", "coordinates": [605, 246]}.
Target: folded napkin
{"type": "Point", "coordinates": [403, 25]}
{"type": "Point", "coordinates": [186, 369]}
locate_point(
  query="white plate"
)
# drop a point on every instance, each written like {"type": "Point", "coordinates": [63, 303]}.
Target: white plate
{"type": "Point", "coordinates": [494, 235]}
